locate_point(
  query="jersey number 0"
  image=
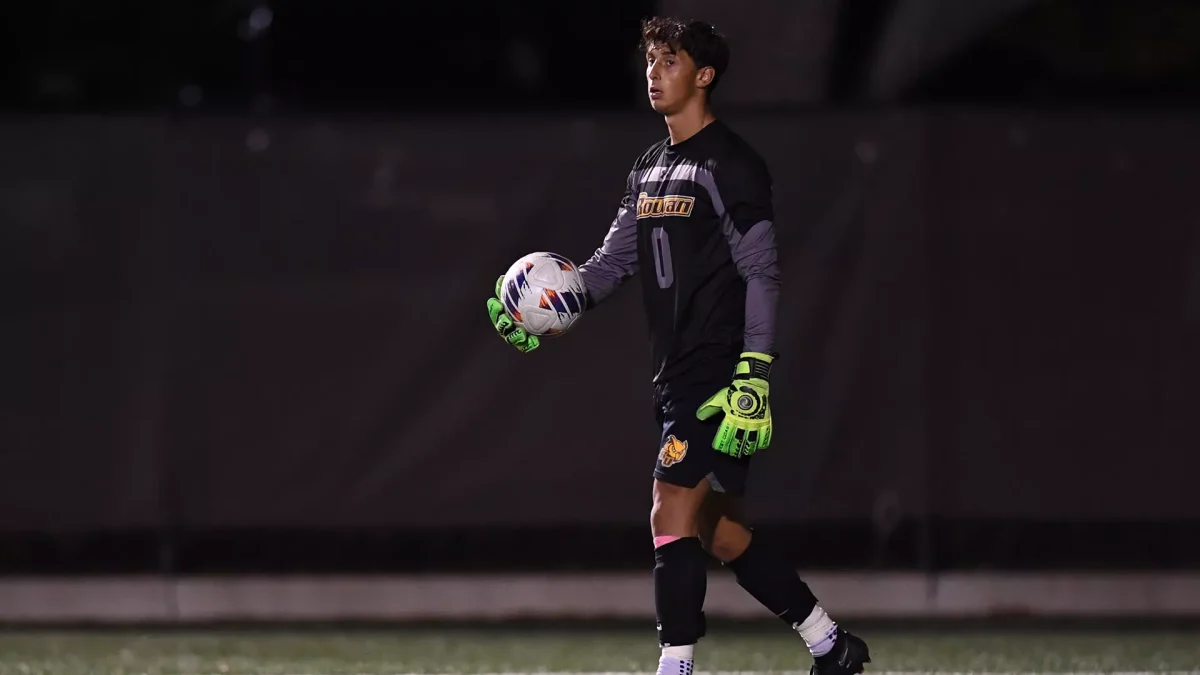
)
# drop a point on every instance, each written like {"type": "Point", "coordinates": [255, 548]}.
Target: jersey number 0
{"type": "Point", "coordinates": [661, 244]}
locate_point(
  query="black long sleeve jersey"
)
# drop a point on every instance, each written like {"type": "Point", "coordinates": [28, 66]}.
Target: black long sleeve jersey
{"type": "Point", "coordinates": [697, 219]}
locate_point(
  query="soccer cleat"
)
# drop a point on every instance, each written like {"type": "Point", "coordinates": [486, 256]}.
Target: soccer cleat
{"type": "Point", "coordinates": [848, 657]}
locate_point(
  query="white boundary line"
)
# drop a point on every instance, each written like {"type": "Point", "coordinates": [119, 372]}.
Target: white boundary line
{"type": "Point", "coordinates": [582, 596]}
{"type": "Point", "coordinates": [869, 671]}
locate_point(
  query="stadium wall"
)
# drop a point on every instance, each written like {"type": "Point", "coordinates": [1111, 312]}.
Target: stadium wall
{"type": "Point", "coordinates": [257, 346]}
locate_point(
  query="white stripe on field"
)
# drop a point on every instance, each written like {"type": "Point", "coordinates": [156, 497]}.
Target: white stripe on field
{"type": "Point", "coordinates": [184, 600]}
{"type": "Point", "coordinates": [869, 671]}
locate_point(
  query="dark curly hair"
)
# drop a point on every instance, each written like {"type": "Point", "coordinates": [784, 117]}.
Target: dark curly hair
{"type": "Point", "coordinates": [699, 39]}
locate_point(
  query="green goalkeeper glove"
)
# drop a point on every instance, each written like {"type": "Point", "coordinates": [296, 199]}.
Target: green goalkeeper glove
{"type": "Point", "coordinates": [747, 424]}
{"type": "Point", "coordinates": [504, 325]}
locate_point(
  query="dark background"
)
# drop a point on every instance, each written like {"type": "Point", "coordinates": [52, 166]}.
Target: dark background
{"type": "Point", "coordinates": [248, 262]}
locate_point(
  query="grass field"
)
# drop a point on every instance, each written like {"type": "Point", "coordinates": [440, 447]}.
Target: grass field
{"type": "Point", "coordinates": [575, 649]}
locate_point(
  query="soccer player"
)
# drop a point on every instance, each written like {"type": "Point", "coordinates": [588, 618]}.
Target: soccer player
{"type": "Point", "coordinates": [697, 220]}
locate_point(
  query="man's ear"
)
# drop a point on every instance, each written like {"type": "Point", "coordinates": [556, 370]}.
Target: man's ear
{"type": "Point", "coordinates": [704, 76]}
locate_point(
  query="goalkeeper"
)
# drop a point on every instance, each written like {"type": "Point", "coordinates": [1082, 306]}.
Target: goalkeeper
{"type": "Point", "coordinates": [697, 221]}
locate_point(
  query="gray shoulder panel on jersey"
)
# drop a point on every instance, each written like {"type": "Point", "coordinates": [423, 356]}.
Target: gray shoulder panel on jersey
{"type": "Point", "coordinates": [616, 259]}
{"type": "Point", "coordinates": [757, 262]}
{"type": "Point", "coordinates": [708, 181]}
{"type": "Point", "coordinates": [687, 171]}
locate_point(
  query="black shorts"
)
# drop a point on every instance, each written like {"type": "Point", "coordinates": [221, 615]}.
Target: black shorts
{"type": "Point", "coordinates": [685, 452]}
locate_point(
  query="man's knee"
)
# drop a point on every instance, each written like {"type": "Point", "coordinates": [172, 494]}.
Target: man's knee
{"type": "Point", "coordinates": [729, 540]}
{"type": "Point", "coordinates": [720, 527]}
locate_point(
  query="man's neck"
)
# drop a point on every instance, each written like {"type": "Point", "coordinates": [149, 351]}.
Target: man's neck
{"type": "Point", "coordinates": [688, 122]}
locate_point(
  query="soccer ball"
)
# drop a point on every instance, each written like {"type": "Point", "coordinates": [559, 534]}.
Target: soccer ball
{"type": "Point", "coordinates": [544, 294]}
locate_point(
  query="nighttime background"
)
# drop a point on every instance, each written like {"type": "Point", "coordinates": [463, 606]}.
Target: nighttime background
{"type": "Point", "coordinates": [249, 245]}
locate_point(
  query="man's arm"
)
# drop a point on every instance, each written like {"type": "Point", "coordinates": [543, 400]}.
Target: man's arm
{"type": "Point", "coordinates": [745, 192]}
{"type": "Point", "coordinates": [616, 259]}
{"type": "Point", "coordinates": [756, 259]}
{"type": "Point", "coordinates": [741, 193]}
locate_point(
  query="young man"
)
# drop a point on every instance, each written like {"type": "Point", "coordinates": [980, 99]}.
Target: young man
{"type": "Point", "coordinates": [697, 219]}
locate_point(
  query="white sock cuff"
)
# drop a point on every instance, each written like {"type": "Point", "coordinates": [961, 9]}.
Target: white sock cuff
{"type": "Point", "coordinates": [817, 627]}
{"type": "Point", "coordinates": [681, 652]}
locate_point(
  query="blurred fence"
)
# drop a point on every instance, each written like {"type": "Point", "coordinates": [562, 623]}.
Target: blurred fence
{"type": "Point", "coordinates": [259, 344]}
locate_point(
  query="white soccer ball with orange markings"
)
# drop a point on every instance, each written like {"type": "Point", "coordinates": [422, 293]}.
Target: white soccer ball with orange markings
{"type": "Point", "coordinates": [544, 294]}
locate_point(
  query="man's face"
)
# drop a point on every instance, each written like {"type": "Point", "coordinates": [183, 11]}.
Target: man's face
{"type": "Point", "coordinates": [672, 79]}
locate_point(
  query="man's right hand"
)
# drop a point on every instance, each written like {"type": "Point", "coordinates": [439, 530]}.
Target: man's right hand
{"type": "Point", "coordinates": [503, 323]}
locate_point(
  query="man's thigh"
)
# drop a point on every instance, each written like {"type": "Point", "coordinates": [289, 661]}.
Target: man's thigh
{"type": "Point", "coordinates": [686, 456]}
{"type": "Point", "coordinates": [718, 505]}
{"type": "Point", "coordinates": [722, 525]}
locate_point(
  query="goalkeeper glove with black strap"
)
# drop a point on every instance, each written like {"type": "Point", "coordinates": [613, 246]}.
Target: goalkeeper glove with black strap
{"type": "Point", "coordinates": [746, 427]}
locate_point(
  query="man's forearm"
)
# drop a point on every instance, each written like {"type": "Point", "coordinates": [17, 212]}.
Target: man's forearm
{"type": "Point", "coordinates": [615, 260]}
{"type": "Point", "coordinates": [762, 297]}
{"type": "Point", "coordinates": [601, 276]}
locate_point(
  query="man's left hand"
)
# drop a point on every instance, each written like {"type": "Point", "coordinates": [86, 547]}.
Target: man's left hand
{"type": "Point", "coordinates": [746, 428]}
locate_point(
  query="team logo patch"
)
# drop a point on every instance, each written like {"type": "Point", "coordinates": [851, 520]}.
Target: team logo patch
{"type": "Point", "coordinates": [670, 205]}
{"type": "Point", "coordinates": [673, 451]}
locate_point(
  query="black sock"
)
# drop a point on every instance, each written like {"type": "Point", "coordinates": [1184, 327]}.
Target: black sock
{"type": "Point", "coordinates": [773, 582]}
{"type": "Point", "coordinates": [680, 582]}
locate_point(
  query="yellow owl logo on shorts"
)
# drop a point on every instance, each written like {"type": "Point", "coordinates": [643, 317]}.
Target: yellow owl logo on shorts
{"type": "Point", "coordinates": [673, 451]}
